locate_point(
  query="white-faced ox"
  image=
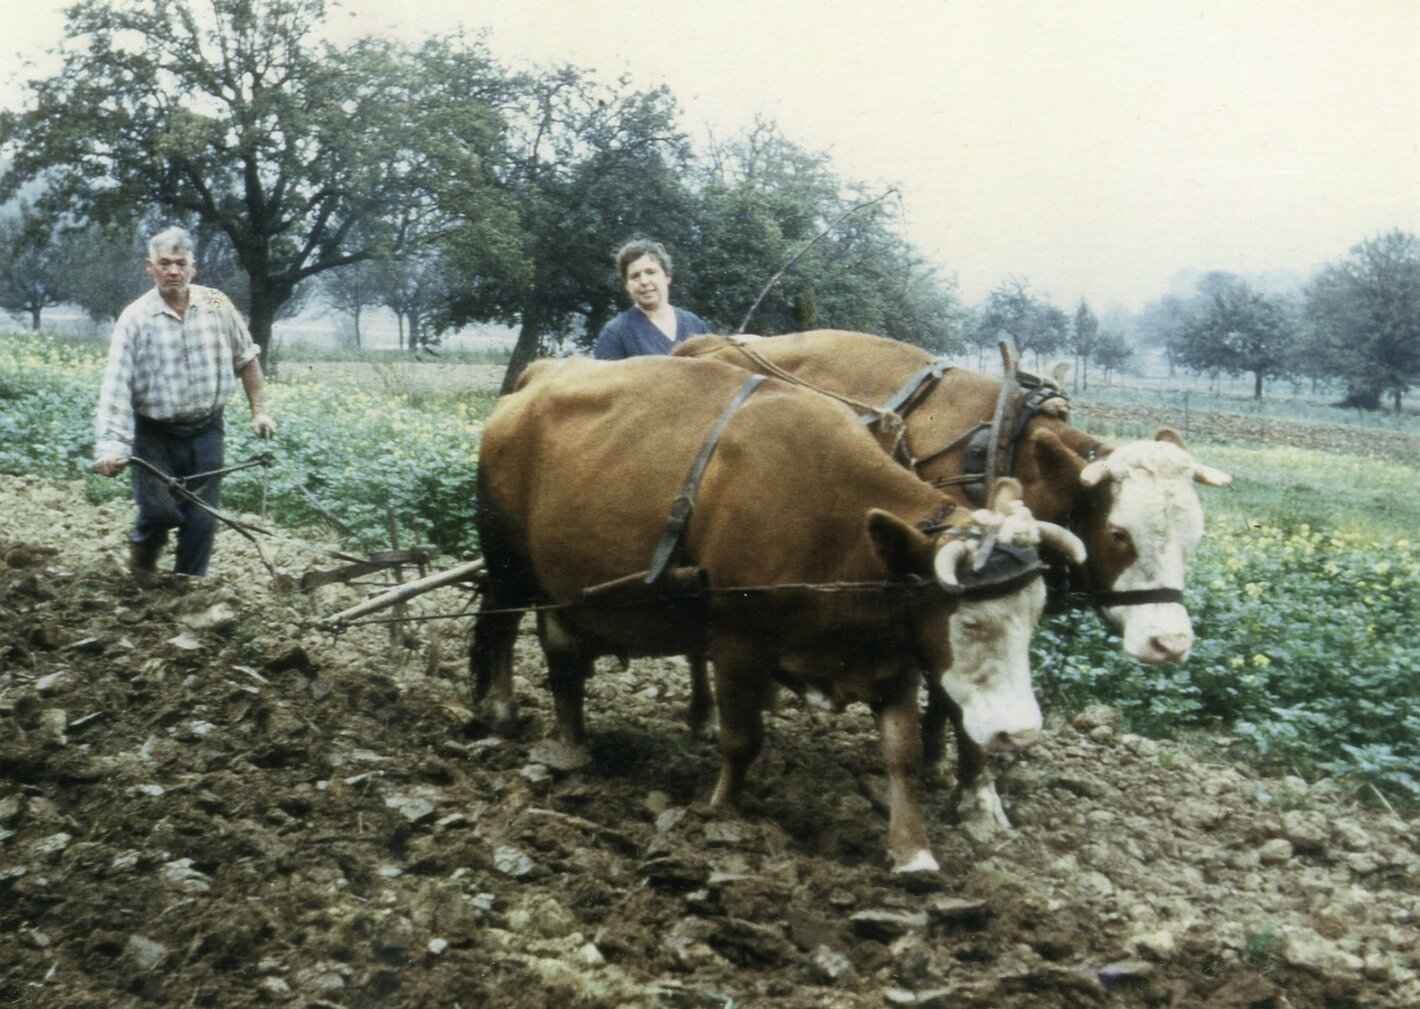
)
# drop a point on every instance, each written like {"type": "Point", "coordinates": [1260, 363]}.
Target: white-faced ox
{"type": "Point", "coordinates": [578, 469]}
{"type": "Point", "coordinates": [1134, 506]}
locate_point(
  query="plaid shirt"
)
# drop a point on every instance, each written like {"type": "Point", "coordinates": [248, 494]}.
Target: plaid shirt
{"type": "Point", "coordinates": [168, 368]}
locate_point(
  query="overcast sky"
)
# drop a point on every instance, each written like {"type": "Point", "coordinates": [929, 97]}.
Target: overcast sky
{"type": "Point", "coordinates": [1094, 148]}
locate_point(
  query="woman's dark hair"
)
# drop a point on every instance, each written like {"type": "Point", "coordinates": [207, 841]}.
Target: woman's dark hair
{"type": "Point", "coordinates": [634, 250]}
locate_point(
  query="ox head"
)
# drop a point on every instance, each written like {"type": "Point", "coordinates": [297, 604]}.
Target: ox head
{"type": "Point", "coordinates": [1141, 536]}
{"type": "Point", "coordinates": [989, 678]}
{"type": "Point", "coordinates": [980, 647]}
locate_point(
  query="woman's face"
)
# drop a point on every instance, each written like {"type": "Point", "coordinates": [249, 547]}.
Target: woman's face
{"type": "Point", "coordinates": [648, 284]}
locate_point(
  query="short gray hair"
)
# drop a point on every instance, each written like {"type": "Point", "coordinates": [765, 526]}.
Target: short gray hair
{"type": "Point", "coordinates": [634, 250]}
{"type": "Point", "coordinates": [173, 239]}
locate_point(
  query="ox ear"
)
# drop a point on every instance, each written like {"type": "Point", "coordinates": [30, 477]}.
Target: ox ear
{"type": "Point", "coordinates": [1209, 476]}
{"type": "Point", "coordinates": [1056, 461]}
{"type": "Point", "coordinates": [1058, 373]}
{"type": "Point", "coordinates": [902, 547]}
{"type": "Point", "coordinates": [1171, 436]}
{"type": "Point", "coordinates": [1095, 473]}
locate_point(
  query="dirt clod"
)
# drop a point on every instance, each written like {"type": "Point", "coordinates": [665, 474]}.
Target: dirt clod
{"type": "Point", "coordinates": [205, 801]}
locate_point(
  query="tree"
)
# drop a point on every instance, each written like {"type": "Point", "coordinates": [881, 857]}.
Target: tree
{"type": "Point", "coordinates": [1013, 312]}
{"type": "Point", "coordinates": [763, 201]}
{"type": "Point", "coordinates": [1242, 330]}
{"type": "Point", "coordinates": [105, 270]}
{"type": "Point", "coordinates": [352, 289]}
{"type": "Point", "coordinates": [533, 198]}
{"type": "Point", "coordinates": [227, 111]}
{"type": "Point", "coordinates": [32, 263]}
{"type": "Point", "coordinates": [413, 286]}
{"type": "Point", "coordinates": [1112, 353]}
{"type": "Point", "coordinates": [1362, 319]}
{"type": "Point", "coordinates": [1084, 341]}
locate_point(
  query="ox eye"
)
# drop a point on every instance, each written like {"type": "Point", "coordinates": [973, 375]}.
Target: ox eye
{"type": "Point", "coordinates": [1119, 537]}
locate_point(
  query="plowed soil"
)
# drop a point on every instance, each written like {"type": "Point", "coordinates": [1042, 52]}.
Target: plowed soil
{"type": "Point", "coordinates": [206, 801]}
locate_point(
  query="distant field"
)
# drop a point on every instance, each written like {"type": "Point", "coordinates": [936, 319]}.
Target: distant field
{"type": "Point", "coordinates": [399, 376]}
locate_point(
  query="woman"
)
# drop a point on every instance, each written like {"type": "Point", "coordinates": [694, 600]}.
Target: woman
{"type": "Point", "coordinates": [651, 325]}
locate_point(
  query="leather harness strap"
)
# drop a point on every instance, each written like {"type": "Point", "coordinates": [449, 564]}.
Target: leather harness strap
{"type": "Point", "coordinates": [906, 398]}
{"type": "Point", "coordinates": [1135, 597]}
{"type": "Point", "coordinates": [684, 502]}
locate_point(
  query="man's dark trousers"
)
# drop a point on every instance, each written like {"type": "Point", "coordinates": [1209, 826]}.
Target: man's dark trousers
{"type": "Point", "coordinates": [178, 450]}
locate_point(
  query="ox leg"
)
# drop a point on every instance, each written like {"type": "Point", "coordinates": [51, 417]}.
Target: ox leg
{"type": "Point", "coordinates": [899, 724]}
{"type": "Point", "coordinates": [568, 667]}
{"type": "Point", "coordinates": [490, 660]}
{"type": "Point", "coordinates": [934, 722]}
{"type": "Point", "coordinates": [740, 695]}
{"type": "Point", "coordinates": [974, 799]}
{"type": "Point", "coordinates": [702, 701]}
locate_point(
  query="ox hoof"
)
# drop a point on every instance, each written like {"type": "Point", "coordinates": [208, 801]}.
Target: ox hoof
{"type": "Point", "coordinates": [920, 862]}
{"type": "Point", "coordinates": [505, 718]}
{"type": "Point", "coordinates": [981, 815]}
{"type": "Point", "coordinates": [556, 755]}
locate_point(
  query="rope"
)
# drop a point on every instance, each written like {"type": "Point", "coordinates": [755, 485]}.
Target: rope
{"type": "Point", "coordinates": [770, 368]}
{"type": "Point", "coordinates": [823, 587]}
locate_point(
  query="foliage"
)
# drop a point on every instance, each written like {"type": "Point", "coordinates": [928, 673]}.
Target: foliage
{"type": "Point", "coordinates": [1303, 651]}
{"type": "Point", "coordinates": [1013, 312]}
{"type": "Point", "coordinates": [1084, 342]}
{"type": "Point", "coordinates": [227, 111]}
{"type": "Point", "coordinates": [32, 266]}
{"type": "Point", "coordinates": [1113, 353]}
{"type": "Point", "coordinates": [104, 268]}
{"type": "Point", "coordinates": [355, 454]}
{"type": "Point", "coordinates": [1240, 330]}
{"type": "Point", "coordinates": [1363, 319]}
{"type": "Point", "coordinates": [766, 203]}
{"type": "Point", "coordinates": [537, 199]}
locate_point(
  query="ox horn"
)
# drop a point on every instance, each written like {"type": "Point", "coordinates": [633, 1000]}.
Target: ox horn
{"type": "Point", "coordinates": [948, 558]}
{"type": "Point", "coordinates": [1063, 540]}
{"type": "Point", "coordinates": [1006, 492]}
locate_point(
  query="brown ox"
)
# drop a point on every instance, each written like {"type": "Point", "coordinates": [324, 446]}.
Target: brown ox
{"type": "Point", "coordinates": [1134, 506]}
{"type": "Point", "coordinates": [577, 468]}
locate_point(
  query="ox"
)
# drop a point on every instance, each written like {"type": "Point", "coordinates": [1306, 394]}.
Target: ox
{"type": "Point", "coordinates": [577, 468]}
{"type": "Point", "coordinates": [1134, 506]}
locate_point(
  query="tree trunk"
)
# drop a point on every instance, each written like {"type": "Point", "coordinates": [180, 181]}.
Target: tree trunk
{"type": "Point", "coordinates": [1257, 385]}
{"type": "Point", "coordinates": [34, 318]}
{"type": "Point", "coordinates": [525, 350]}
{"type": "Point", "coordinates": [263, 314]}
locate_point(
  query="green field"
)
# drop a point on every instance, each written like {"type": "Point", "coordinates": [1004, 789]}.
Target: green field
{"type": "Point", "coordinates": [1305, 591]}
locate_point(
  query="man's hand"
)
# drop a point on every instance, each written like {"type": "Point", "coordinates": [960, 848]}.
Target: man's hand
{"type": "Point", "coordinates": [110, 465]}
{"type": "Point", "coordinates": [262, 425]}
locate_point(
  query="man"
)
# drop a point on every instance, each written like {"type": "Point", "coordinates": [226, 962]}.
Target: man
{"type": "Point", "coordinates": [173, 363]}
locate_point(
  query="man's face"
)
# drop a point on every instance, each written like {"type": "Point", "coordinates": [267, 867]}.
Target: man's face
{"type": "Point", "coordinates": [172, 271]}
